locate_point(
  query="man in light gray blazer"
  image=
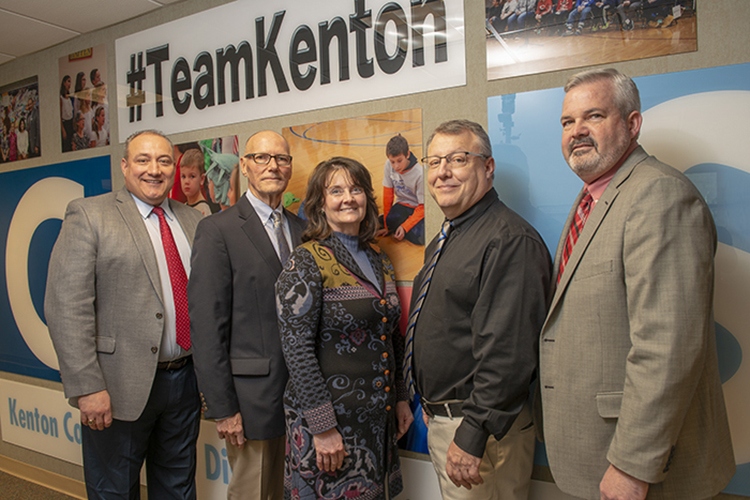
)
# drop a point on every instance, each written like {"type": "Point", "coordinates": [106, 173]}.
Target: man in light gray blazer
{"type": "Point", "coordinates": [631, 398]}
{"type": "Point", "coordinates": [114, 311]}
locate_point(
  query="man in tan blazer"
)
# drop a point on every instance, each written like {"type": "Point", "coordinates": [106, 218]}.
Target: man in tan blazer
{"type": "Point", "coordinates": [631, 398]}
{"type": "Point", "coordinates": [112, 310]}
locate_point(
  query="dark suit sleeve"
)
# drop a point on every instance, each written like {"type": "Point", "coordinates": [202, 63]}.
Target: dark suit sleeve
{"type": "Point", "coordinates": [668, 251]}
{"type": "Point", "coordinates": [210, 300]}
{"type": "Point", "coordinates": [505, 323]}
{"type": "Point", "coordinates": [69, 305]}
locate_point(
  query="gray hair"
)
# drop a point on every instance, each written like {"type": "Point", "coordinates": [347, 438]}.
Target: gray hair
{"type": "Point", "coordinates": [458, 127]}
{"type": "Point", "coordinates": [143, 132]}
{"type": "Point", "coordinates": [627, 98]}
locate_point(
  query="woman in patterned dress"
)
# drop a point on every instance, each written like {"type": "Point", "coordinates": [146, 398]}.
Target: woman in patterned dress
{"type": "Point", "coordinates": [345, 402]}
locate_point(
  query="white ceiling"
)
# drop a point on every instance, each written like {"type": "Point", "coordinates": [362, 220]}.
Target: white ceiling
{"type": "Point", "coordinates": [32, 25]}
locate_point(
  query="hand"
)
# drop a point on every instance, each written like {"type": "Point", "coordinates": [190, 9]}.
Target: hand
{"type": "Point", "coordinates": [618, 485]}
{"type": "Point", "coordinates": [404, 418]}
{"type": "Point", "coordinates": [96, 410]}
{"type": "Point", "coordinates": [399, 233]}
{"type": "Point", "coordinates": [329, 450]}
{"type": "Point", "coordinates": [231, 430]}
{"type": "Point", "coordinates": [462, 468]}
{"type": "Point", "coordinates": [381, 233]}
{"type": "Point", "coordinates": [425, 418]}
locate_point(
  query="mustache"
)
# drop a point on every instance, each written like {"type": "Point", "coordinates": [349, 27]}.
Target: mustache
{"type": "Point", "coordinates": [588, 141]}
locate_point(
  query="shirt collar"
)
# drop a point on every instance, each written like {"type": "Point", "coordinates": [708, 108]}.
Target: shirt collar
{"type": "Point", "coordinates": [475, 210]}
{"type": "Point", "coordinates": [145, 209]}
{"type": "Point", "coordinates": [261, 208]}
{"type": "Point", "coordinates": [599, 185]}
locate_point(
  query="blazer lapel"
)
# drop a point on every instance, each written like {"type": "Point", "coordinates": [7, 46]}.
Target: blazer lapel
{"type": "Point", "coordinates": [296, 228]}
{"type": "Point", "coordinates": [597, 216]}
{"type": "Point", "coordinates": [256, 233]}
{"type": "Point", "coordinates": [189, 231]}
{"type": "Point", "coordinates": [134, 221]}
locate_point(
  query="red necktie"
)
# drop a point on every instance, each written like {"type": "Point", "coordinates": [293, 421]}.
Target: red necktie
{"type": "Point", "coordinates": [576, 227]}
{"type": "Point", "coordinates": [178, 279]}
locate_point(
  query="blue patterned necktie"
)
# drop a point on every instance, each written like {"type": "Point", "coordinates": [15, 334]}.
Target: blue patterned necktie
{"type": "Point", "coordinates": [409, 349]}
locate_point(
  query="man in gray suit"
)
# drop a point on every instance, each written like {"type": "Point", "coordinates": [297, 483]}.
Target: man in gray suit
{"type": "Point", "coordinates": [116, 307]}
{"type": "Point", "coordinates": [631, 398]}
{"type": "Point", "coordinates": [237, 256]}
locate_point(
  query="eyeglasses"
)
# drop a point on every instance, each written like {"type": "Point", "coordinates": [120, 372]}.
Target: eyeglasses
{"type": "Point", "coordinates": [456, 160]}
{"type": "Point", "coordinates": [338, 192]}
{"type": "Point", "coordinates": [265, 159]}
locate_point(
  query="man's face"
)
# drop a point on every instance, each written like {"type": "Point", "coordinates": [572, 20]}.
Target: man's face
{"type": "Point", "coordinates": [457, 190]}
{"type": "Point", "coordinates": [594, 134]}
{"type": "Point", "coordinates": [149, 168]}
{"type": "Point", "coordinates": [191, 180]}
{"type": "Point", "coordinates": [399, 163]}
{"type": "Point", "coordinates": [266, 182]}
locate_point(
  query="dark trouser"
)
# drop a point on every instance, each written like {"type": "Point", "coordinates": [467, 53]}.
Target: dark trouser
{"type": "Point", "coordinates": [397, 215]}
{"type": "Point", "coordinates": [165, 435]}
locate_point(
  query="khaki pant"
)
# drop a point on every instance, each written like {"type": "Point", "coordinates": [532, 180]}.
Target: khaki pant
{"type": "Point", "coordinates": [257, 470]}
{"type": "Point", "coordinates": [506, 465]}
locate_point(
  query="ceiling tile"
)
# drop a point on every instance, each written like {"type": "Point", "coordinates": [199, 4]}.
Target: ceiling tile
{"type": "Point", "coordinates": [79, 15]}
{"type": "Point", "coordinates": [21, 35]}
{"type": "Point", "coordinates": [5, 58]}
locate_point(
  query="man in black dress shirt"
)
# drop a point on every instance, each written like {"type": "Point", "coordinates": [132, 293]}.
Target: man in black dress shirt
{"type": "Point", "coordinates": [475, 343]}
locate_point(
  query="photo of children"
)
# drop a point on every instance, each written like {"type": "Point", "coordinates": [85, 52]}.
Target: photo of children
{"type": "Point", "coordinates": [19, 128]}
{"type": "Point", "coordinates": [403, 193]}
{"type": "Point", "coordinates": [396, 174]}
{"type": "Point", "coordinates": [208, 171]}
{"type": "Point", "coordinates": [193, 180]}
{"type": "Point", "coordinates": [84, 109]}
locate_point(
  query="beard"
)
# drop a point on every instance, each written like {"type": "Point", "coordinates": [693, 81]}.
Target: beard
{"type": "Point", "coordinates": [595, 162]}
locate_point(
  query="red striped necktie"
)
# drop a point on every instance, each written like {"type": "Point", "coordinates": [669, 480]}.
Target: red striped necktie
{"type": "Point", "coordinates": [576, 227]}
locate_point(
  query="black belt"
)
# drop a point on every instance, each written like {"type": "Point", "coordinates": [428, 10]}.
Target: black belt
{"type": "Point", "coordinates": [174, 364]}
{"type": "Point", "coordinates": [449, 409]}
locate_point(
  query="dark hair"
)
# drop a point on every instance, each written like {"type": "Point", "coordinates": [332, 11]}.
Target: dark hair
{"type": "Point", "coordinates": [63, 91]}
{"type": "Point", "coordinates": [317, 224]}
{"type": "Point", "coordinates": [142, 132]}
{"type": "Point", "coordinates": [92, 74]}
{"type": "Point", "coordinates": [397, 145]}
{"type": "Point", "coordinates": [79, 81]}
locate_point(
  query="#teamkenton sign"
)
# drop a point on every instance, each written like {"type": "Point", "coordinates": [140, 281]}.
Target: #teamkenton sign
{"type": "Point", "coordinates": [248, 60]}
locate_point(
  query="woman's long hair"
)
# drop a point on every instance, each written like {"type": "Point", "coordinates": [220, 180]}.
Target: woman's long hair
{"type": "Point", "coordinates": [317, 224]}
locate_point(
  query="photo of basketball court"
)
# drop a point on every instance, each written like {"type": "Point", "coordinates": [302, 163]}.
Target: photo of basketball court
{"type": "Point", "coordinates": [601, 40]}
{"type": "Point", "coordinates": [363, 139]}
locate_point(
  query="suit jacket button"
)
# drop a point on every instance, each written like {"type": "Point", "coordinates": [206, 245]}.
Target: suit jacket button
{"type": "Point", "coordinates": [154, 349]}
{"type": "Point", "coordinates": [159, 315]}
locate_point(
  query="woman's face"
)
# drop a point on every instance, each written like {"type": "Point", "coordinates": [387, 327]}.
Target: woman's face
{"type": "Point", "coordinates": [345, 204]}
{"type": "Point", "coordinates": [79, 124]}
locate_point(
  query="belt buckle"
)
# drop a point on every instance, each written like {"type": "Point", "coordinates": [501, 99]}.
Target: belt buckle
{"type": "Point", "coordinates": [448, 410]}
{"type": "Point", "coordinates": [426, 408]}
